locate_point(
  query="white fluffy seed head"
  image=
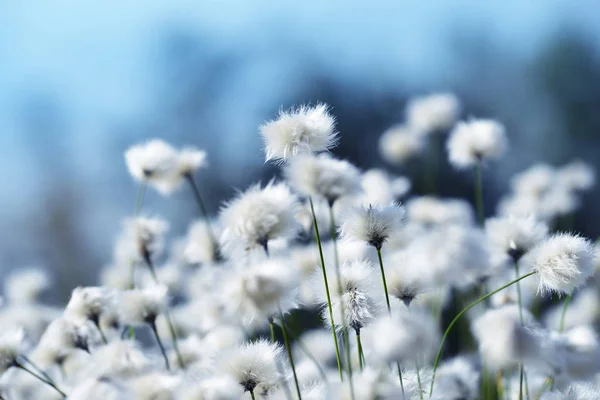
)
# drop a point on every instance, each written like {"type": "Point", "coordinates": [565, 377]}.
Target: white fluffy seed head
{"type": "Point", "coordinates": [120, 358]}
{"type": "Point", "coordinates": [322, 176]}
{"type": "Point", "coordinates": [475, 141]}
{"type": "Point", "coordinates": [24, 286]}
{"type": "Point", "coordinates": [301, 130]}
{"type": "Point", "coordinates": [534, 180]}
{"type": "Point", "coordinates": [200, 247]}
{"type": "Point", "coordinates": [251, 364]}
{"type": "Point", "coordinates": [378, 187]}
{"type": "Point", "coordinates": [62, 337]}
{"type": "Point", "coordinates": [399, 144]}
{"type": "Point", "coordinates": [142, 236]}
{"type": "Point", "coordinates": [431, 211]}
{"type": "Point", "coordinates": [372, 224]}
{"type": "Point", "coordinates": [577, 175]}
{"type": "Point", "coordinates": [90, 303]}
{"type": "Point", "coordinates": [11, 345]}
{"type": "Point", "coordinates": [154, 162]}
{"type": "Point", "coordinates": [457, 379]}
{"type": "Point", "coordinates": [563, 263]}
{"type": "Point", "coordinates": [515, 235]}
{"type": "Point", "coordinates": [142, 306]}
{"type": "Point", "coordinates": [100, 387]}
{"type": "Point", "coordinates": [434, 113]}
{"type": "Point", "coordinates": [259, 215]}
{"type": "Point", "coordinates": [189, 160]}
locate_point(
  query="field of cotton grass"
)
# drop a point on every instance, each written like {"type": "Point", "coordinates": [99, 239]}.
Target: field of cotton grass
{"type": "Point", "coordinates": [417, 297]}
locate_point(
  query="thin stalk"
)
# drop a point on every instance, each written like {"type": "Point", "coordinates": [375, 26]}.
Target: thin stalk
{"type": "Point", "coordinates": [289, 353]}
{"type": "Point", "coordinates": [349, 361]}
{"type": "Point", "coordinates": [479, 193]}
{"type": "Point", "coordinates": [521, 367]}
{"type": "Point", "coordinates": [521, 374]}
{"type": "Point", "coordinates": [360, 351]}
{"type": "Point", "coordinates": [385, 289]}
{"type": "Point", "coordinates": [400, 377]}
{"type": "Point", "coordinates": [460, 314]}
{"type": "Point", "coordinates": [335, 340]}
{"type": "Point", "coordinates": [160, 345]}
{"type": "Point", "coordinates": [139, 203]}
{"type": "Point", "coordinates": [499, 385]}
{"type": "Point", "coordinates": [419, 380]}
{"type": "Point", "coordinates": [40, 378]}
{"type": "Point", "coordinates": [252, 395]}
{"type": "Point", "coordinates": [272, 328]}
{"type": "Point", "coordinates": [102, 335]}
{"type": "Point", "coordinates": [307, 353]}
{"type": "Point", "coordinates": [36, 368]}
{"type": "Point", "coordinates": [204, 212]}
{"type": "Point", "coordinates": [561, 327]}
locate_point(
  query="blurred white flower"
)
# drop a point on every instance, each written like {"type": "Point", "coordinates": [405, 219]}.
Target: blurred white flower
{"type": "Point", "coordinates": [301, 130]}
{"type": "Point", "coordinates": [457, 379]}
{"type": "Point", "coordinates": [154, 162]}
{"type": "Point", "coordinates": [513, 235]}
{"type": "Point", "coordinates": [372, 224]}
{"type": "Point", "coordinates": [142, 306]}
{"type": "Point", "coordinates": [189, 160]}
{"type": "Point", "coordinates": [378, 187]}
{"type": "Point", "coordinates": [11, 346]}
{"type": "Point", "coordinates": [199, 247]}
{"type": "Point", "coordinates": [432, 211]}
{"type": "Point", "coordinates": [143, 237]}
{"type": "Point", "coordinates": [399, 144]}
{"type": "Point", "coordinates": [434, 113]}
{"type": "Point", "coordinates": [24, 286]}
{"type": "Point", "coordinates": [577, 175]}
{"type": "Point", "coordinates": [100, 388]}
{"type": "Point", "coordinates": [475, 141]}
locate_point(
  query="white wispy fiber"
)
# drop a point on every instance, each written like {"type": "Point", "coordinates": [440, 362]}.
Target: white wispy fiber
{"type": "Point", "coordinates": [189, 160]}
{"type": "Point", "coordinates": [584, 309]}
{"type": "Point", "coordinates": [535, 180]}
{"type": "Point", "coordinates": [100, 388]}
{"type": "Point", "coordinates": [90, 303]}
{"type": "Point", "coordinates": [399, 144]}
{"type": "Point", "coordinates": [143, 237]}
{"type": "Point", "coordinates": [304, 129]}
{"type": "Point", "coordinates": [61, 338]}
{"type": "Point", "coordinates": [503, 341]}
{"type": "Point", "coordinates": [199, 247]}
{"type": "Point", "coordinates": [563, 263]}
{"type": "Point", "coordinates": [475, 141]}
{"type": "Point", "coordinates": [432, 211]}
{"type": "Point", "coordinates": [211, 387]}
{"type": "Point", "coordinates": [457, 379]}
{"type": "Point", "coordinates": [11, 346]}
{"type": "Point", "coordinates": [154, 385]}
{"type": "Point", "coordinates": [405, 336]}
{"type": "Point", "coordinates": [119, 358]}
{"type": "Point", "coordinates": [372, 224]}
{"type": "Point", "coordinates": [24, 286]}
{"type": "Point", "coordinates": [434, 113]}
{"type": "Point", "coordinates": [142, 306]}
{"type": "Point", "coordinates": [357, 304]}
{"type": "Point", "coordinates": [514, 235]}
{"type": "Point", "coordinates": [401, 284]}
{"type": "Point", "coordinates": [379, 187]}
{"type": "Point", "coordinates": [322, 176]}
{"type": "Point", "coordinates": [575, 391]}
{"type": "Point", "coordinates": [577, 175]}
{"type": "Point", "coordinates": [257, 292]}
{"type": "Point", "coordinates": [579, 352]}
{"type": "Point", "coordinates": [257, 216]}
{"type": "Point", "coordinates": [251, 364]}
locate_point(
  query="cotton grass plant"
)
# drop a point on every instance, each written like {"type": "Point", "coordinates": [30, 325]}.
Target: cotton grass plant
{"type": "Point", "coordinates": [382, 283]}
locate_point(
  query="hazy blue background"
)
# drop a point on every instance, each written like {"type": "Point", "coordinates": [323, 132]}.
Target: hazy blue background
{"type": "Point", "coordinates": [81, 81]}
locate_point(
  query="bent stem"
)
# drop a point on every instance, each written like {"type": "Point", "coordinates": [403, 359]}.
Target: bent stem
{"type": "Point", "coordinates": [40, 378]}
{"type": "Point", "coordinates": [335, 340]}
{"type": "Point", "coordinates": [289, 353]}
{"type": "Point", "coordinates": [160, 344]}
{"type": "Point", "coordinates": [479, 193]}
{"type": "Point", "coordinates": [561, 327]}
{"type": "Point", "coordinates": [460, 314]}
{"type": "Point", "coordinates": [387, 296]}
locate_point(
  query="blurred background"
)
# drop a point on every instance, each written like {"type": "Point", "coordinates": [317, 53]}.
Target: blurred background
{"type": "Point", "coordinates": [80, 82]}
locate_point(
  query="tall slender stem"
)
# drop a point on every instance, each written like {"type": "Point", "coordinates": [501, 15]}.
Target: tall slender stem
{"type": "Point", "coordinates": [359, 350]}
{"type": "Point", "coordinates": [479, 193]}
{"type": "Point", "coordinates": [521, 374]}
{"type": "Point", "coordinates": [400, 377]}
{"type": "Point", "coordinates": [204, 212]}
{"type": "Point", "coordinates": [336, 257]}
{"type": "Point", "coordinates": [561, 327]}
{"type": "Point", "coordinates": [419, 380]}
{"type": "Point", "coordinates": [40, 378]}
{"type": "Point", "coordinates": [290, 356]}
{"type": "Point", "coordinates": [307, 352]}
{"type": "Point", "coordinates": [139, 203]}
{"type": "Point", "coordinates": [272, 329]}
{"type": "Point", "coordinates": [99, 328]}
{"type": "Point", "coordinates": [335, 340]}
{"type": "Point", "coordinates": [252, 395]}
{"type": "Point", "coordinates": [348, 361]}
{"type": "Point", "coordinates": [160, 345]}
{"type": "Point", "coordinates": [460, 314]}
{"type": "Point", "coordinates": [36, 368]}
{"type": "Point", "coordinates": [519, 300]}
{"type": "Point", "coordinates": [385, 289]}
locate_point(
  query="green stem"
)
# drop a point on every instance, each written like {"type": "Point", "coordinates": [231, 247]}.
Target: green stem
{"type": "Point", "coordinates": [336, 258]}
{"type": "Point", "coordinates": [202, 208]}
{"type": "Point", "coordinates": [333, 332]}
{"type": "Point", "coordinates": [521, 374]}
{"type": "Point", "coordinates": [400, 377]}
{"type": "Point", "coordinates": [348, 361]}
{"type": "Point", "coordinates": [252, 395]}
{"type": "Point", "coordinates": [479, 193]}
{"type": "Point", "coordinates": [289, 353]}
{"type": "Point", "coordinates": [160, 345]}
{"type": "Point", "coordinates": [359, 350]}
{"type": "Point", "coordinates": [385, 289]}
{"type": "Point", "coordinates": [307, 353]}
{"type": "Point", "coordinates": [40, 378]}
{"type": "Point", "coordinates": [37, 369]}
{"type": "Point", "coordinates": [561, 327]}
{"type": "Point", "coordinates": [419, 380]}
{"type": "Point", "coordinates": [139, 203]}
{"type": "Point", "coordinates": [519, 293]}
{"type": "Point", "coordinates": [272, 327]}
{"type": "Point", "coordinates": [460, 314]}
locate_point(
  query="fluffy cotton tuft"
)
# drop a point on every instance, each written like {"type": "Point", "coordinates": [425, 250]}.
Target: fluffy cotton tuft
{"type": "Point", "coordinates": [11, 345]}
{"type": "Point", "coordinates": [563, 263]}
{"type": "Point", "coordinates": [378, 187]}
{"type": "Point", "coordinates": [434, 113]}
{"type": "Point", "coordinates": [60, 339]}
{"type": "Point", "coordinates": [476, 140]}
{"type": "Point", "coordinates": [431, 211]}
{"type": "Point", "coordinates": [24, 286]}
{"type": "Point", "coordinates": [301, 130]}
{"type": "Point", "coordinates": [154, 162]}
{"type": "Point", "coordinates": [143, 237]}
{"type": "Point", "coordinates": [322, 176]}
{"type": "Point", "coordinates": [199, 247]}
{"type": "Point", "coordinates": [259, 215]}
{"type": "Point", "coordinates": [399, 144]}
{"type": "Point", "coordinates": [577, 175]}
{"type": "Point", "coordinates": [90, 303]}
{"type": "Point", "coordinates": [189, 160]}
{"type": "Point", "coordinates": [457, 379]}
{"type": "Point", "coordinates": [251, 364]}
{"type": "Point", "coordinates": [371, 224]}
{"type": "Point", "coordinates": [515, 235]}
{"type": "Point", "coordinates": [142, 306]}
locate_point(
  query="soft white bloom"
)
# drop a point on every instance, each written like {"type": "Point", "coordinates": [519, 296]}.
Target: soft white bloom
{"type": "Point", "coordinates": [576, 391]}
{"type": "Point", "coordinates": [579, 352]}
{"type": "Point", "coordinates": [584, 309]}
{"type": "Point", "coordinates": [259, 215]}
{"type": "Point", "coordinates": [90, 303]}
{"type": "Point", "coordinates": [251, 364]}
{"type": "Point", "coordinates": [320, 344]}
{"type": "Point", "coordinates": [457, 379]}
{"type": "Point", "coordinates": [371, 224]}
{"type": "Point", "coordinates": [563, 263]}
{"type": "Point", "coordinates": [200, 247]}
{"type": "Point", "coordinates": [189, 160]}
{"type": "Point", "coordinates": [476, 140]}
{"type": "Point", "coordinates": [24, 286]}
{"type": "Point", "coordinates": [577, 175]}
{"type": "Point", "coordinates": [211, 387]}
{"type": "Point", "coordinates": [322, 176]}
{"type": "Point", "coordinates": [434, 113]}
{"type": "Point", "coordinates": [355, 306]}
{"type": "Point", "coordinates": [119, 358]}
{"type": "Point", "coordinates": [143, 237]}
{"type": "Point", "coordinates": [432, 211]}
{"type": "Point", "coordinates": [378, 187]}
{"type": "Point", "coordinates": [100, 388]}
{"type": "Point", "coordinates": [11, 346]}
{"type": "Point", "coordinates": [154, 162]}
{"type": "Point", "coordinates": [61, 339]}
{"type": "Point", "coordinates": [301, 130]}
{"type": "Point", "coordinates": [154, 385]}
{"type": "Point", "coordinates": [399, 144]}
{"type": "Point", "coordinates": [515, 235]}
{"type": "Point", "coordinates": [534, 180]}
{"type": "Point", "coordinates": [372, 383]}
{"type": "Point", "coordinates": [401, 284]}
{"type": "Point", "coordinates": [142, 306]}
